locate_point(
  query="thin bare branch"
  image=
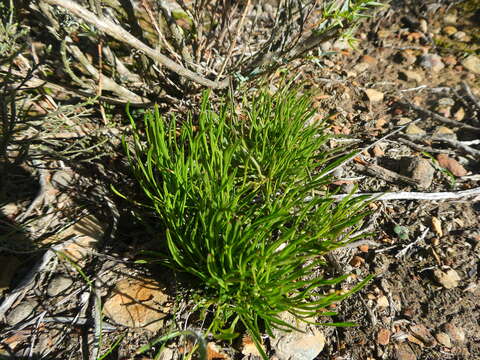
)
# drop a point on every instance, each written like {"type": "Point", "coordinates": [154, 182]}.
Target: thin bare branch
{"type": "Point", "coordinates": [234, 41]}
{"type": "Point", "coordinates": [120, 34]}
{"type": "Point", "coordinates": [442, 119]}
{"type": "Point", "coordinates": [402, 195]}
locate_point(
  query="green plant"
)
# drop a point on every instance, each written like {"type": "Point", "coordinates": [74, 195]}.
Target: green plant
{"type": "Point", "coordinates": [201, 344]}
{"type": "Point", "coordinates": [234, 192]}
{"type": "Point", "coordinates": [11, 33]}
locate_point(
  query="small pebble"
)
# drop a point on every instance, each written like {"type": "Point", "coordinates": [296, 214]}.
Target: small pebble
{"type": "Point", "coordinates": [455, 333]}
{"type": "Point", "coordinates": [374, 95]}
{"type": "Point", "coordinates": [432, 62]}
{"type": "Point", "coordinates": [461, 36]}
{"type": "Point", "coordinates": [459, 114]}
{"type": "Point", "coordinates": [382, 301]}
{"type": "Point", "coordinates": [413, 129]}
{"type": "Point", "coordinates": [418, 169]}
{"type": "Point", "coordinates": [357, 261]}
{"type": "Point", "coordinates": [448, 279]}
{"type": "Point", "coordinates": [449, 30]}
{"type": "Point", "coordinates": [437, 226]}
{"type": "Point", "coordinates": [472, 64]}
{"type": "Point", "coordinates": [423, 26]}
{"type": "Point", "coordinates": [450, 18]}
{"type": "Point", "coordinates": [383, 337]}
{"type": "Point", "coordinates": [443, 339]}
{"type": "Point", "coordinates": [451, 164]}
{"type": "Point", "coordinates": [58, 285]}
{"type": "Point", "coordinates": [326, 46]}
{"type": "Point", "coordinates": [446, 101]}
{"type": "Point", "coordinates": [21, 312]}
{"type": "Point", "coordinates": [404, 352]}
{"type": "Point", "coordinates": [445, 133]}
{"type": "Point", "coordinates": [363, 248]}
{"type": "Point", "coordinates": [412, 76]}
{"type": "Point", "coordinates": [368, 59]}
{"type": "Point", "coordinates": [450, 60]}
{"type": "Point", "coordinates": [377, 151]}
{"type": "Point", "coordinates": [421, 332]}
{"type": "Point", "coordinates": [403, 120]}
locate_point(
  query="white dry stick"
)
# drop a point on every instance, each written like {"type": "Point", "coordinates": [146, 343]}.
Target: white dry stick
{"type": "Point", "coordinates": [470, 94]}
{"type": "Point", "coordinates": [403, 195]}
{"type": "Point", "coordinates": [463, 145]}
{"type": "Point", "coordinates": [443, 119]}
{"type": "Point", "coordinates": [97, 314]}
{"type": "Point", "coordinates": [409, 246]}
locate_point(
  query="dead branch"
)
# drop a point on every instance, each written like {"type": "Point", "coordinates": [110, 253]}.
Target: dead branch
{"type": "Point", "coordinates": [402, 195]}
{"type": "Point", "coordinates": [120, 34]}
{"type": "Point", "coordinates": [356, 153]}
{"type": "Point", "coordinates": [387, 175]}
{"type": "Point", "coordinates": [441, 118]}
{"type": "Point", "coordinates": [424, 148]}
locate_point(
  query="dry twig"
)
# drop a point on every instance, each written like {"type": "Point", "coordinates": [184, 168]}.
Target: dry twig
{"type": "Point", "coordinates": [443, 119]}
{"type": "Point", "coordinates": [120, 34]}
{"type": "Point", "coordinates": [402, 195]}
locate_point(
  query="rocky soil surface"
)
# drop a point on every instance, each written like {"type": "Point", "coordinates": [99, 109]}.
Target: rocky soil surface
{"type": "Point", "coordinates": [408, 96]}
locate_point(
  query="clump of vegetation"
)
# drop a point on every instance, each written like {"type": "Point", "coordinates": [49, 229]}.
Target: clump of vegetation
{"type": "Point", "coordinates": [237, 191]}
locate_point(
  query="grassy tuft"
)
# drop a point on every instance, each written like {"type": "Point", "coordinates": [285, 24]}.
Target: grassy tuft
{"type": "Point", "coordinates": [231, 191]}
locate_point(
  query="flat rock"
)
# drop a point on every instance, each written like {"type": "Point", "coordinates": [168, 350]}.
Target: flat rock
{"type": "Point", "coordinates": [451, 164]}
{"type": "Point", "coordinates": [449, 30]}
{"type": "Point", "coordinates": [374, 95]}
{"type": "Point", "coordinates": [455, 333]}
{"type": "Point", "coordinates": [418, 169]}
{"type": "Point", "coordinates": [443, 339]}
{"type": "Point", "coordinates": [138, 303]}
{"type": "Point", "coordinates": [448, 279]}
{"type": "Point", "coordinates": [432, 62]}
{"type": "Point", "coordinates": [403, 120]}
{"type": "Point", "coordinates": [404, 352]}
{"type": "Point", "coordinates": [443, 132]}
{"type": "Point", "coordinates": [410, 75]}
{"type": "Point", "coordinates": [297, 345]}
{"type": "Point", "coordinates": [58, 285]}
{"type": "Point", "coordinates": [421, 332]}
{"type": "Point", "coordinates": [383, 337]}
{"type": "Point", "coordinates": [472, 64]}
{"type": "Point", "coordinates": [21, 312]}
